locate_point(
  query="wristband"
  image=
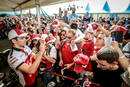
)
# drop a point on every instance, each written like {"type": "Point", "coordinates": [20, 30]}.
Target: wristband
{"type": "Point", "coordinates": [122, 56]}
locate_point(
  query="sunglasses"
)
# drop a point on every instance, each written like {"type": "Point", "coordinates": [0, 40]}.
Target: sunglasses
{"type": "Point", "coordinates": [62, 34]}
{"type": "Point", "coordinates": [99, 38]}
{"type": "Point", "coordinates": [68, 37]}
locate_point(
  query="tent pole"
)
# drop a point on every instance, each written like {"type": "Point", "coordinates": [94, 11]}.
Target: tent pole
{"type": "Point", "coordinates": [38, 13]}
{"type": "Point", "coordinates": [20, 12]}
{"type": "Point", "coordinates": [14, 12]}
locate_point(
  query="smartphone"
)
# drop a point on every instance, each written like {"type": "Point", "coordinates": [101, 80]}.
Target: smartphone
{"type": "Point", "coordinates": [117, 36]}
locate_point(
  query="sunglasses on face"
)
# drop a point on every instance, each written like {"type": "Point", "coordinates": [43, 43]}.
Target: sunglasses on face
{"type": "Point", "coordinates": [99, 38]}
{"type": "Point", "coordinates": [68, 37]}
{"type": "Point", "coordinates": [62, 34]}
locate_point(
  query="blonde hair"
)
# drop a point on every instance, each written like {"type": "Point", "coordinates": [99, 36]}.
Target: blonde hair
{"type": "Point", "coordinates": [71, 31]}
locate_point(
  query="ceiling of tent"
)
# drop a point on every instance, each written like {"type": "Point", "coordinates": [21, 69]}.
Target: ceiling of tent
{"type": "Point", "coordinates": [10, 5]}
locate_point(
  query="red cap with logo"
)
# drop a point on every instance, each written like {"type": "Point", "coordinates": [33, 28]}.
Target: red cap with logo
{"type": "Point", "coordinates": [56, 23]}
{"type": "Point", "coordinates": [50, 39]}
{"type": "Point", "coordinates": [93, 26]}
{"type": "Point", "coordinates": [35, 36]}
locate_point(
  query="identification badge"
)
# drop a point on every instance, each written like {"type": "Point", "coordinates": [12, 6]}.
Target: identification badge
{"type": "Point", "coordinates": [74, 47]}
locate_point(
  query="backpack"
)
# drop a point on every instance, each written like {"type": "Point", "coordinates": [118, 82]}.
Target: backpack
{"type": "Point", "coordinates": [126, 50]}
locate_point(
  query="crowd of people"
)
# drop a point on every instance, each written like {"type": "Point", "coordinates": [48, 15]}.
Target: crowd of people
{"type": "Point", "coordinates": [69, 45]}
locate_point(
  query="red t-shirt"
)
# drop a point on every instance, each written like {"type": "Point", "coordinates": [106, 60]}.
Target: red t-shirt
{"type": "Point", "coordinates": [96, 50]}
{"type": "Point", "coordinates": [88, 47]}
{"type": "Point", "coordinates": [19, 26]}
{"type": "Point", "coordinates": [67, 54]}
{"type": "Point", "coordinates": [89, 66]}
{"type": "Point", "coordinates": [1, 25]}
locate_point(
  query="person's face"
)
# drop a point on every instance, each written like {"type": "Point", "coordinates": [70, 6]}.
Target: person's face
{"type": "Point", "coordinates": [47, 31]}
{"type": "Point", "coordinates": [43, 25]}
{"type": "Point", "coordinates": [97, 32]}
{"type": "Point", "coordinates": [89, 35]}
{"type": "Point", "coordinates": [28, 24]}
{"type": "Point", "coordinates": [86, 16]}
{"type": "Point", "coordinates": [60, 12]}
{"type": "Point", "coordinates": [106, 25]}
{"type": "Point", "coordinates": [73, 10]}
{"type": "Point", "coordinates": [21, 41]}
{"type": "Point", "coordinates": [35, 41]}
{"type": "Point", "coordinates": [63, 35]}
{"type": "Point", "coordinates": [86, 23]}
{"type": "Point", "coordinates": [100, 40]}
{"type": "Point", "coordinates": [47, 46]}
{"type": "Point", "coordinates": [104, 65]}
{"type": "Point", "coordinates": [65, 13]}
{"type": "Point", "coordinates": [69, 37]}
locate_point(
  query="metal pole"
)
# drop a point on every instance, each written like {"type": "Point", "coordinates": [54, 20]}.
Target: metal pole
{"type": "Point", "coordinates": [20, 12]}
{"type": "Point", "coordinates": [14, 12]}
{"type": "Point", "coordinates": [38, 13]}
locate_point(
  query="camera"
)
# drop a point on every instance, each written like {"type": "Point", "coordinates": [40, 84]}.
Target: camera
{"type": "Point", "coordinates": [117, 36]}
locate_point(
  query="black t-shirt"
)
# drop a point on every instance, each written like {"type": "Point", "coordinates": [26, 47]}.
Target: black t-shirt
{"type": "Point", "coordinates": [127, 35]}
{"type": "Point", "coordinates": [107, 78]}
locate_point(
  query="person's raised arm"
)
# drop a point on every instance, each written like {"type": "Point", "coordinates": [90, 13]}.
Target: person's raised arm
{"type": "Point", "coordinates": [122, 59]}
{"type": "Point", "coordinates": [31, 69]}
{"type": "Point", "coordinates": [106, 32]}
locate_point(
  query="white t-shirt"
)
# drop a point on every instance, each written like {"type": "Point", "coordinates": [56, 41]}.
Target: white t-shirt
{"type": "Point", "coordinates": [17, 58]}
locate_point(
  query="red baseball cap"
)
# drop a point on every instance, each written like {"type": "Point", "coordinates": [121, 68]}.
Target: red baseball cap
{"type": "Point", "coordinates": [56, 23]}
{"type": "Point", "coordinates": [120, 28]}
{"type": "Point", "coordinates": [35, 36]}
{"type": "Point", "coordinates": [16, 33]}
{"type": "Point", "coordinates": [50, 39]}
{"type": "Point", "coordinates": [79, 60]}
{"type": "Point", "coordinates": [93, 26]}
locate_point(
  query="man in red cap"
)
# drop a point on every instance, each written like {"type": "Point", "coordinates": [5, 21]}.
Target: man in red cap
{"type": "Point", "coordinates": [22, 60]}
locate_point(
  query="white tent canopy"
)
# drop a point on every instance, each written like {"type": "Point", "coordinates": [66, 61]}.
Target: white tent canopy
{"type": "Point", "coordinates": [52, 6]}
{"type": "Point", "coordinates": [96, 6]}
{"type": "Point", "coordinates": [11, 5]}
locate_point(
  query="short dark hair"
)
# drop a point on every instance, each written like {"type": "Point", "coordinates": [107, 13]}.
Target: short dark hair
{"type": "Point", "coordinates": [14, 26]}
{"type": "Point", "coordinates": [44, 23]}
{"type": "Point", "coordinates": [63, 31]}
{"type": "Point", "coordinates": [108, 53]}
{"type": "Point", "coordinates": [13, 39]}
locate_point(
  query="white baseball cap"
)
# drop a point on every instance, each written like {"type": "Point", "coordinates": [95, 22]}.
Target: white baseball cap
{"type": "Point", "coordinates": [16, 33]}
